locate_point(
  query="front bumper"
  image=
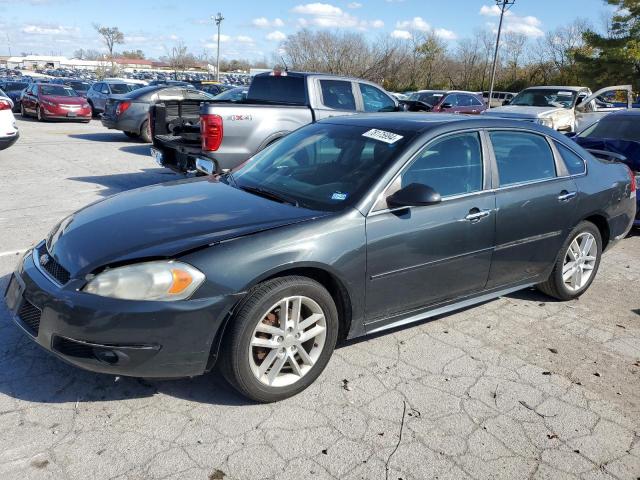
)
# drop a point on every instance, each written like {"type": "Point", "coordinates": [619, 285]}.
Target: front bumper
{"type": "Point", "coordinates": [119, 337]}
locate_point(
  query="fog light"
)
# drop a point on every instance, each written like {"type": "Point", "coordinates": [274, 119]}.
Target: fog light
{"type": "Point", "coordinates": [106, 356]}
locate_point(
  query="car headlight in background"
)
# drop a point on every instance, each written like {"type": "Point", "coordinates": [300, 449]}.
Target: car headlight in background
{"type": "Point", "coordinates": [163, 281]}
{"type": "Point", "coordinates": [547, 122]}
{"type": "Point", "coordinates": [85, 105]}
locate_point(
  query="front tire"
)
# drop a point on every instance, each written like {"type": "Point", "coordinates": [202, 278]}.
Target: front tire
{"type": "Point", "coordinates": [269, 355]}
{"type": "Point", "coordinates": [40, 113]}
{"type": "Point", "coordinates": [22, 112]}
{"type": "Point", "coordinates": [145, 132]}
{"type": "Point", "coordinates": [577, 263]}
{"type": "Point", "coordinates": [132, 134]}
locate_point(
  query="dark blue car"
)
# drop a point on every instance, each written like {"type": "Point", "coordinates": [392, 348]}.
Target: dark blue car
{"type": "Point", "coordinates": [616, 137]}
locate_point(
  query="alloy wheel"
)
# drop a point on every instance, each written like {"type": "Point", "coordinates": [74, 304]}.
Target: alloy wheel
{"type": "Point", "coordinates": [287, 341]}
{"type": "Point", "coordinates": [579, 261]}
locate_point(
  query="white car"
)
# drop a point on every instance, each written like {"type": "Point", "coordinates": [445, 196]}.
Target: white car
{"type": "Point", "coordinates": [8, 129]}
{"type": "Point", "coordinates": [566, 109]}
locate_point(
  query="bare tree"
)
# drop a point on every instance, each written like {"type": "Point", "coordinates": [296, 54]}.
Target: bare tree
{"type": "Point", "coordinates": [513, 49]}
{"type": "Point", "coordinates": [111, 36]}
{"type": "Point", "coordinates": [179, 58]}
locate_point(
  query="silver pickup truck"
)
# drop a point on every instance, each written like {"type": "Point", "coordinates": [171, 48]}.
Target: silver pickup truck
{"type": "Point", "coordinates": [221, 136]}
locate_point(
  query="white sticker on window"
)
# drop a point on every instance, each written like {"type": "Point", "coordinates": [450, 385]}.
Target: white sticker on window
{"type": "Point", "coordinates": [386, 137]}
{"type": "Point", "coordinates": [339, 196]}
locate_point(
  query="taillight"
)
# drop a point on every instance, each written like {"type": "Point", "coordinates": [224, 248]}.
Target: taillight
{"type": "Point", "coordinates": [5, 105]}
{"type": "Point", "coordinates": [211, 132]}
{"type": "Point", "coordinates": [122, 107]}
{"type": "Point", "coordinates": [634, 185]}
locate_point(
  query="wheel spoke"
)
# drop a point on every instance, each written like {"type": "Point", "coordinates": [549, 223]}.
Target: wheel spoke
{"type": "Point", "coordinates": [284, 313]}
{"type": "Point", "coordinates": [296, 308]}
{"type": "Point", "coordinates": [277, 367]}
{"type": "Point", "coordinates": [574, 250]}
{"type": "Point", "coordinates": [568, 266]}
{"type": "Point", "coordinates": [264, 328]}
{"type": "Point", "coordinates": [586, 245]}
{"type": "Point", "coordinates": [294, 364]}
{"type": "Point", "coordinates": [587, 267]}
{"type": "Point", "coordinates": [578, 278]}
{"type": "Point", "coordinates": [589, 258]}
{"type": "Point", "coordinates": [264, 342]}
{"type": "Point", "coordinates": [307, 322]}
{"type": "Point", "coordinates": [304, 356]}
{"type": "Point", "coordinates": [566, 276]}
{"type": "Point", "coordinates": [267, 362]}
{"type": "Point", "coordinates": [312, 333]}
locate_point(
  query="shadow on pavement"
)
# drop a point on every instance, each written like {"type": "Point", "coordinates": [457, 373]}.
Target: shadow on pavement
{"type": "Point", "coordinates": [29, 373]}
{"type": "Point", "coordinates": [143, 149]}
{"type": "Point", "coordinates": [120, 182]}
{"type": "Point", "coordinates": [102, 137]}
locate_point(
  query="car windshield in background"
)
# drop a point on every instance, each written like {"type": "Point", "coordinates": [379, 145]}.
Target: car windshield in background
{"type": "Point", "coordinates": [58, 91]}
{"type": "Point", "coordinates": [233, 95]}
{"type": "Point", "coordinates": [120, 88]}
{"type": "Point", "coordinates": [80, 86]}
{"type": "Point", "coordinates": [430, 98]}
{"type": "Point", "coordinates": [322, 166]}
{"type": "Point", "coordinates": [615, 127]}
{"type": "Point", "coordinates": [11, 86]}
{"type": "Point", "coordinates": [544, 97]}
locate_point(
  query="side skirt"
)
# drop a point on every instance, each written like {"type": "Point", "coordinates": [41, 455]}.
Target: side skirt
{"type": "Point", "coordinates": [423, 315]}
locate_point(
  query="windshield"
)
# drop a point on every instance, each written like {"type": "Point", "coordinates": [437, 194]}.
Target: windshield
{"type": "Point", "coordinates": [544, 97]}
{"type": "Point", "coordinates": [10, 86]}
{"type": "Point", "coordinates": [119, 88]}
{"type": "Point", "coordinates": [619, 127]}
{"type": "Point", "coordinates": [431, 98]}
{"type": "Point", "coordinates": [58, 91]}
{"type": "Point", "coordinates": [79, 86]}
{"type": "Point", "coordinates": [233, 95]}
{"type": "Point", "coordinates": [323, 166]}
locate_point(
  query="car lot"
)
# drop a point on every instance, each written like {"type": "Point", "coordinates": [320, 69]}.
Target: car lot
{"type": "Point", "coordinates": [522, 387]}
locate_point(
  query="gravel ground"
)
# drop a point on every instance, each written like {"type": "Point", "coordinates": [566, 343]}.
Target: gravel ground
{"type": "Point", "coordinates": [521, 387]}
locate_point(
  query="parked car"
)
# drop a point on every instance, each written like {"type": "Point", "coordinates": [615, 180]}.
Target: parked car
{"type": "Point", "coordinates": [616, 137]}
{"type": "Point", "coordinates": [498, 98]}
{"type": "Point", "coordinates": [47, 101]}
{"type": "Point", "coordinates": [80, 86]}
{"type": "Point", "coordinates": [173, 83]}
{"type": "Point", "coordinates": [13, 89]}
{"type": "Point", "coordinates": [234, 95]}
{"type": "Point", "coordinates": [99, 92]}
{"type": "Point", "coordinates": [130, 112]}
{"type": "Point", "coordinates": [212, 88]}
{"type": "Point", "coordinates": [8, 129]}
{"type": "Point", "coordinates": [445, 101]}
{"type": "Point", "coordinates": [345, 227]}
{"type": "Point", "coordinates": [277, 103]}
{"type": "Point", "coordinates": [566, 109]}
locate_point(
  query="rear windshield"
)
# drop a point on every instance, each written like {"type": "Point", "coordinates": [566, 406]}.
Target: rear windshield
{"type": "Point", "coordinates": [619, 127]}
{"type": "Point", "coordinates": [119, 88]}
{"type": "Point", "coordinates": [278, 89]}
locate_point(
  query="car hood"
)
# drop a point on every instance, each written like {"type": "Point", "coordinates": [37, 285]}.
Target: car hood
{"type": "Point", "coordinates": [63, 100]}
{"type": "Point", "coordinates": [628, 148]}
{"type": "Point", "coordinates": [515, 111]}
{"type": "Point", "coordinates": [163, 221]}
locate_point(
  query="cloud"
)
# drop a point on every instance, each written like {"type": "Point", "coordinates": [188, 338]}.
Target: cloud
{"type": "Point", "coordinates": [324, 15]}
{"type": "Point", "coordinates": [49, 30]}
{"type": "Point", "coordinates": [276, 36]}
{"type": "Point", "coordinates": [244, 39]}
{"type": "Point", "coordinates": [223, 38]}
{"type": "Point", "coordinates": [417, 23]}
{"type": "Point", "coordinates": [354, 5]}
{"type": "Point", "coordinates": [445, 34]}
{"type": "Point", "coordinates": [264, 22]}
{"type": "Point", "coordinates": [402, 34]}
{"type": "Point", "coordinates": [527, 25]}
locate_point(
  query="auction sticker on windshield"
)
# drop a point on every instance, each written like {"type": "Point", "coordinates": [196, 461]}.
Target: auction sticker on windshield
{"type": "Point", "coordinates": [386, 137]}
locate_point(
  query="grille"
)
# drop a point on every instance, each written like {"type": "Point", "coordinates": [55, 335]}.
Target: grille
{"type": "Point", "coordinates": [30, 315]}
{"type": "Point", "coordinates": [52, 267]}
{"type": "Point", "coordinates": [71, 348]}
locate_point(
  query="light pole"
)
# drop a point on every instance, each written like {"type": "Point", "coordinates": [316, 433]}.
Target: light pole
{"type": "Point", "coordinates": [218, 19]}
{"type": "Point", "coordinates": [504, 5]}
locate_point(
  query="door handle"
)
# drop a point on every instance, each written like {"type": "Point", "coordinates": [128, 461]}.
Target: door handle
{"type": "Point", "coordinates": [476, 214]}
{"type": "Point", "coordinates": [566, 196]}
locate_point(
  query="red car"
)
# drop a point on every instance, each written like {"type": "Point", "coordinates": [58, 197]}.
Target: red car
{"type": "Point", "coordinates": [48, 101]}
{"type": "Point", "coordinates": [446, 101]}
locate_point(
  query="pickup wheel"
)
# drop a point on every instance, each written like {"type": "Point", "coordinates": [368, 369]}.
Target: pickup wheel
{"type": "Point", "coordinates": [145, 132]}
{"type": "Point", "coordinates": [281, 338]}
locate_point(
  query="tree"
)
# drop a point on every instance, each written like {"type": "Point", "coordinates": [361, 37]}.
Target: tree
{"type": "Point", "coordinates": [88, 54]}
{"type": "Point", "coordinates": [111, 36]}
{"type": "Point", "coordinates": [614, 57]}
{"type": "Point", "coordinates": [137, 54]}
{"type": "Point", "coordinates": [179, 58]}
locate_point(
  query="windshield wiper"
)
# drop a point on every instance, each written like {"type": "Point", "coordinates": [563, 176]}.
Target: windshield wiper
{"type": "Point", "coordinates": [278, 197]}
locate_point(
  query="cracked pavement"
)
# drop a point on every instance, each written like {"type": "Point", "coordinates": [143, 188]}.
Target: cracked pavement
{"type": "Point", "coordinates": [520, 387]}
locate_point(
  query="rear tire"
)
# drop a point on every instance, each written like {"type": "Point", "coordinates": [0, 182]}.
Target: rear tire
{"type": "Point", "coordinates": [145, 132]}
{"type": "Point", "coordinates": [292, 357]}
{"type": "Point", "coordinates": [94, 113]}
{"type": "Point", "coordinates": [577, 263]}
{"type": "Point", "coordinates": [40, 114]}
{"type": "Point", "coordinates": [132, 134]}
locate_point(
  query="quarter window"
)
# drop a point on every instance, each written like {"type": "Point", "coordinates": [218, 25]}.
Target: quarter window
{"type": "Point", "coordinates": [337, 94]}
{"type": "Point", "coordinates": [375, 100]}
{"type": "Point", "coordinates": [574, 163]}
{"type": "Point", "coordinates": [522, 157]}
{"type": "Point", "coordinates": [451, 166]}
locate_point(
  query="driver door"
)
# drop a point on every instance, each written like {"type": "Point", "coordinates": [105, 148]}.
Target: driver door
{"type": "Point", "coordinates": [601, 103]}
{"type": "Point", "coordinates": [421, 256]}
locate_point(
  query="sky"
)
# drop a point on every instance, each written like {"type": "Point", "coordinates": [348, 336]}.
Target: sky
{"type": "Point", "coordinates": [254, 29]}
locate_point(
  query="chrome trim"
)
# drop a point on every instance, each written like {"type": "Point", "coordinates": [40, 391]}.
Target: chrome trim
{"type": "Point", "coordinates": [472, 217]}
{"type": "Point", "coordinates": [523, 241]}
{"type": "Point", "coordinates": [446, 309]}
{"type": "Point", "coordinates": [567, 196]}
{"type": "Point", "coordinates": [36, 261]}
{"type": "Point", "coordinates": [205, 166]}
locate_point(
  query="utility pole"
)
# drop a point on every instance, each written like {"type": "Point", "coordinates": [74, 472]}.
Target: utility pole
{"type": "Point", "coordinates": [218, 19]}
{"type": "Point", "coordinates": [504, 5]}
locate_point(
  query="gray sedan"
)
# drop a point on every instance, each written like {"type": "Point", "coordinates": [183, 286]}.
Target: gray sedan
{"type": "Point", "coordinates": [129, 112]}
{"type": "Point", "coordinates": [346, 227]}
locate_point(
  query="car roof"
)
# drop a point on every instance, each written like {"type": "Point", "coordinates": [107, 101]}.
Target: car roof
{"type": "Point", "coordinates": [557, 87]}
{"type": "Point", "coordinates": [633, 112]}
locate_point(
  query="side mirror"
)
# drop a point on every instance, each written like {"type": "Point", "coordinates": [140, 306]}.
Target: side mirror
{"type": "Point", "coordinates": [414, 195]}
{"type": "Point", "coordinates": [446, 105]}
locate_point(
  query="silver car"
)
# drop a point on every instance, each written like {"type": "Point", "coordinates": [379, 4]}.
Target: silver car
{"type": "Point", "coordinates": [99, 92]}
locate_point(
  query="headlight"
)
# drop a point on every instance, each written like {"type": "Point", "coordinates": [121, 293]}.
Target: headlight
{"type": "Point", "coordinates": [162, 281]}
{"type": "Point", "coordinates": [547, 122]}
{"type": "Point", "coordinates": [48, 103]}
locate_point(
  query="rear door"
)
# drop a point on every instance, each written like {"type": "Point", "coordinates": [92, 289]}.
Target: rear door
{"type": "Point", "coordinates": [336, 97]}
{"type": "Point", "coordinates": [536, 203]}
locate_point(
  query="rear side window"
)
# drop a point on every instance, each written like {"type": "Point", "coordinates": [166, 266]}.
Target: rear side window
{"type": "Point", "coordinates": [522, 157]}
{"type": "Point", "coordinates": [278, 89]}
{"type": "Point", "coordinates": [375, 100]}
{"type": "Point", "coordinates": [574, 163]}
{"type": "Point", "coordinates": [451, 100]}
{"type": "Point", "coordinates": [451, 166]}
{"type": "Point", "coordinates": [337, 94]}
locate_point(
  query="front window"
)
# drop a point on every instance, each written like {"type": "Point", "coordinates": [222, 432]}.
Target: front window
{"type": "Point", "coordinates": [57, 91]}
{"type": "Point", "coordinates": [375, 100]}
{"type": "Point", "coordinates": [545, 97]}
{"type": "Point", "coordinates": [323, 166]}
